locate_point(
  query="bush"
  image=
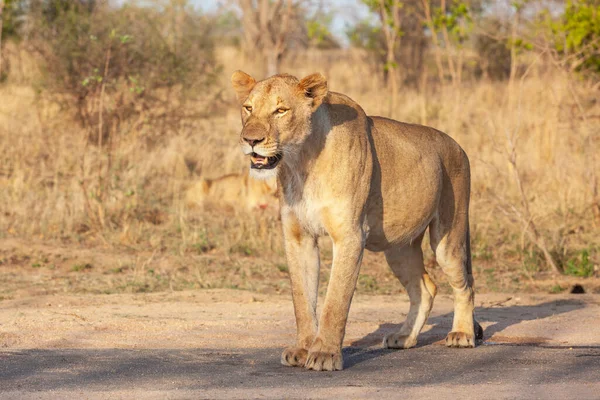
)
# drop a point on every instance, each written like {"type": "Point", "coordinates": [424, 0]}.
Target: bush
{"type": "Point", "coordinates": [577, 34]}
{"type": "Point", "coordinates": [114, 64]}
{"type": "Point", "coordinates": [12, 18]}
{"type": "Point", "coordinates": [580, 265]}
{"type": "Point", "coordinates": [494, 54]}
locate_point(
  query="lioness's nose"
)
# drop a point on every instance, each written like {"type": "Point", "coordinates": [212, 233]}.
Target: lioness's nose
{"type": "Point", "coordinates": [253, 142]}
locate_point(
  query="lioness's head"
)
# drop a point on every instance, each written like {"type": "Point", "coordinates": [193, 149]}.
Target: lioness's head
{"type": "Point", "coordinates": [276, 115]}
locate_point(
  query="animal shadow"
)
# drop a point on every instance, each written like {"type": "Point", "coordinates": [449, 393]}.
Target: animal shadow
{"type": "Point", "coordinates": [496, 318]}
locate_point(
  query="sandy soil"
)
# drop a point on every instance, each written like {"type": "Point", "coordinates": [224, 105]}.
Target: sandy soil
{"type": "Point", "coordinates": [58, 346]}
{"type": "Point", "coordinates": [239, 319]}
{"type": "Point", "coordinates": [67, 329]}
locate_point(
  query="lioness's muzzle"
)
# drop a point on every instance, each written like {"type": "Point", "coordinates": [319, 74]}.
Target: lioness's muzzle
{"type": "Point", "coordinates": [261, 162]}
{"type": "Point", "coordinates": [254, 134]}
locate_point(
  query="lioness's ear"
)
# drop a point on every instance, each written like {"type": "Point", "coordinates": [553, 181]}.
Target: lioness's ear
{"type": "Point", "coordinates": [314, 86]}
{"type": "Point", "coordinates": [242, 84]}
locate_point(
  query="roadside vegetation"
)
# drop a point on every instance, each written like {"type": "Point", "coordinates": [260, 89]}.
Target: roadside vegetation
{"type": "Point", "coordinates": [109, 113]}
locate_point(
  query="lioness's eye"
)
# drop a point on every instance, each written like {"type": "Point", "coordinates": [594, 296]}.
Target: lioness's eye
{"type": "Point", "coordinates": [248, 108]}
{"type": "Point", "coordinates": [281, 111]}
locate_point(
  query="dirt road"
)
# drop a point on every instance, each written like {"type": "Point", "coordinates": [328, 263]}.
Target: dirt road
{"type": "Point", "coordinates": [226, 344]}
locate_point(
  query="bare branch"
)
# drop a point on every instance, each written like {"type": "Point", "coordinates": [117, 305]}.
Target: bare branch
{"type": "Point", "coordinates": [284, 30]}
{"type": "Point", "coordinates": [525, 214]}
{"type": "Point", "coordinates": [267, 26]}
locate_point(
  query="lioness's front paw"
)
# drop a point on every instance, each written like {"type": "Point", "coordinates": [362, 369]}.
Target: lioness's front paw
{"type": "Point", "coordinates": [294, 357]}
{"type": "Point", "coordinates": [460, 339]}
{"type": "Point", "coordinates": [324, 358]}
{"type": "Point", "coordinates": [397, 341]}
{"type": "Point", "coordinates": [322, 361]}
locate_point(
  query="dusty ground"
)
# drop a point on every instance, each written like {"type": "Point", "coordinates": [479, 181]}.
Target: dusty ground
{"type": "Point", "coordinates": [37, 268]}
{"type": "Point", "coordinates": [217, 343]}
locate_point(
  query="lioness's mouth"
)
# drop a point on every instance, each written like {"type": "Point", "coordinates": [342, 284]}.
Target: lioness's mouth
{"type": "Point", "coordinates": [261, 162]}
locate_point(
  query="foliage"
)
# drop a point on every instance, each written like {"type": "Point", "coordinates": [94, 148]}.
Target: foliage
{"type": "Point", "coordinates": [318, 32]}
{"type": "Point", "coordinates": [577, 34]}
{"type": "Point", "coordinates": [388, 7]}
{"type": "Point", "coordinates": [13, 16]}
{"type": "Point", "coordinates": [457, 20]}
{"type": "Point", "coordinates": [555, 289]}
{"type": "Point", "coordinates": [130, 54]}
{"type": "Point", "coordinates": [365, 35]}
{"type": "Point", "coordinates": [580, 265]}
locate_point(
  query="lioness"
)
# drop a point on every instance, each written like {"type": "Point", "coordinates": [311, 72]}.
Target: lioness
{"type": "Point", "coordinates": [234, 190]}
{"type": "Point", "coordinates": [368, 182]}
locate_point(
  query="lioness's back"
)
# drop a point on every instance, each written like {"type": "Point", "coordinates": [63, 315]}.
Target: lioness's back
{"type": "Point", "coordinates": [423, 139]}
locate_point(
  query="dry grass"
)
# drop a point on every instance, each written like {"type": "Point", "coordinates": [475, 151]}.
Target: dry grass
{"type": "Point", "coordinates": [49, 176]}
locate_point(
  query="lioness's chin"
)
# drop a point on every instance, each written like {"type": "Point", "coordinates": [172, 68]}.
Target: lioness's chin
{"type": "Point", "coordinates": [264, 174]}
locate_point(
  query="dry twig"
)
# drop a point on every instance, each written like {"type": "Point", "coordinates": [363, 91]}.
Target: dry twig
{"type": "Point", "coordinates": [524, 214]}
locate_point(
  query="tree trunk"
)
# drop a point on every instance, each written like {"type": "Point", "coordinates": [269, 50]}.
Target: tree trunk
{"type": "Point", "coordinates": [436, 44]}
{"type": "Point", "coordinates": [448, 47]}
{"type": "Point", "coordinates": [266, 27]}
{"type": "Point", "coordinates": [272, 61]}
{"type": "Point", "coordinates": [391, 29]}
{"type": "Point", "coordinates": [392, 82]}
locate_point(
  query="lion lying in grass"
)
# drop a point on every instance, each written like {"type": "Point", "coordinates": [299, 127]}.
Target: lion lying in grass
{"type": "Point", "coordinates": [234, 190]}
{"type": "Point", "coordinates": [367, 182]}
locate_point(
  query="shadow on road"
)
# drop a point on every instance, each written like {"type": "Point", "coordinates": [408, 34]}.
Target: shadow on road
{"type": "Point", "coordinates": [525, 363]}
{"type": "Point", "coordinates": [499, 317]}
{"type": "Point", "coordinates": [107, 370]}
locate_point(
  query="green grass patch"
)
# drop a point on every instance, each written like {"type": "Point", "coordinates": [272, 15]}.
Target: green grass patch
{"type": "Point", "coordinates": [556, 289]}
{"type": "Point", "coordinates": [81, 267]}
{"type": "Point", "coordinates": [580, 265]}
{"type": "Point", "coordinates": [282, 268]}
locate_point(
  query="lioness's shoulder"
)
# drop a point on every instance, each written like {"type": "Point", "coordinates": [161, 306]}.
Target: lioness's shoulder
{"type": "Point", "coordinates": [343, 109]}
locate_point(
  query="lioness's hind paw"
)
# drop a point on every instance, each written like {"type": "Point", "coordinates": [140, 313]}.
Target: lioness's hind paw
{"type": "Point", "coordinates": [460, 339]}
{"type": "Point", "coordinates": [320, 361]}
{"type": "Point", "coordinates": [397, 341]}
{"type": "Point", "coordinates": [294, 357]}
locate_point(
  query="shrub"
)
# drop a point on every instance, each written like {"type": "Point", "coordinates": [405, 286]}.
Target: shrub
{"type": "Point", "coordinates": [580, 265]}
{"type": "Point", "coordinates": [114, 64]}
{"type": "Point", "coordinates": [577, 34]}
{"type": "Point", "coordinates": [494, 54]}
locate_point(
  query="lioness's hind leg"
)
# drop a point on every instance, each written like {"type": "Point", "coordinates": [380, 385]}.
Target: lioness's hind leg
{"type": "Point", "coordinates": [407, 264]}
{"type": "Point", "coordinates": [453, 254]}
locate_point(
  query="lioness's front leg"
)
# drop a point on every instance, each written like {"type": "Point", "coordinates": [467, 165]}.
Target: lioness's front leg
{"type": "Point", "coordinates": [325, 354]}
{"type": "Point", "coordinates": [303, 263]}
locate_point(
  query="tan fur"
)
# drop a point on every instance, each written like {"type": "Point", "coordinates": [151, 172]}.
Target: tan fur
{"type": "Point", "coordinates": [233, 190]}
{"type": "Point", "coordinates": [368, 182]}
